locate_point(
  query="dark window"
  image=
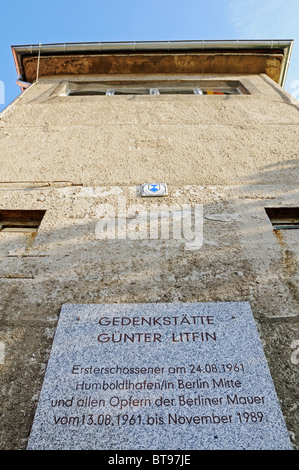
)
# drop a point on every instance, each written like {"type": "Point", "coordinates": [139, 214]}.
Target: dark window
{"type": "Point", "coordinates": [283, 218]}
{"type": "Point", "coordinates": [20, 220]}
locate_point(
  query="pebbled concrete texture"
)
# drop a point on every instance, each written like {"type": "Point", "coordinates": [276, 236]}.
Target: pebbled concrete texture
{"type": "Point", "coordinates": [232, 157]}
{"type": "Point", "coordinates": [128, 140]}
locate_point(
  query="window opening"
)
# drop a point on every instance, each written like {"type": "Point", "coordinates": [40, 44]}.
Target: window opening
{"type": "Point", "coordinates": [162, 87]}
{"type": "Point", "coordinates": [176, 91]}
{"type": "Point", "coordinates": [221, 91]}
{"type": "Point", "coordinates": [20, 220]}
{"type": "Point", "coordinates": [283, 218]}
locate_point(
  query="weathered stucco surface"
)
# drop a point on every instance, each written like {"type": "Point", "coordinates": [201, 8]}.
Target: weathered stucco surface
{"type": "Point", "coordinates": [70, 155]}
{"type": "Point", "coordinates": [254, 62]}
{"type": "Point", "coordinates": [124, 140]}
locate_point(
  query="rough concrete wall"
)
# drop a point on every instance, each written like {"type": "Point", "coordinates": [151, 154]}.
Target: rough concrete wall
{"type": "Point", "coordinates": [242, 258]}
{"type": "Point", "coordinates": [187, 139]}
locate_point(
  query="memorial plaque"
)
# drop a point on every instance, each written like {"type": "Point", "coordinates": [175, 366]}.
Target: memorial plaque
{"type": "Point", "coordinates": [158, 377]}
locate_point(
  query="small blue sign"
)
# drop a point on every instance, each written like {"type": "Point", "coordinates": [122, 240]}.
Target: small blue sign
{"type": "Point", "coordinates": [154, 189]}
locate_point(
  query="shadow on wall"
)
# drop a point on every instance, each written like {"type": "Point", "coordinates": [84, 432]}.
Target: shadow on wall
{"type": "Point", "coordinates": [282, 168]}
{"type": "Point", "coordinates": [241, 258]}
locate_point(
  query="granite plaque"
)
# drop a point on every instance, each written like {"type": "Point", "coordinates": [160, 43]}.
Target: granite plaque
{"type": "Point", "coordinates": [158, 376]}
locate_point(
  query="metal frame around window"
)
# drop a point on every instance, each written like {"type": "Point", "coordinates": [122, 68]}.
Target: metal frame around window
{"type": "Point", "coordinates": [149, 87]}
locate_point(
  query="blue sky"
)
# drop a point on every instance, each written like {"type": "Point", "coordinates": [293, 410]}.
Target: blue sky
{"type": "Point", "coordinates": [60, 21]}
